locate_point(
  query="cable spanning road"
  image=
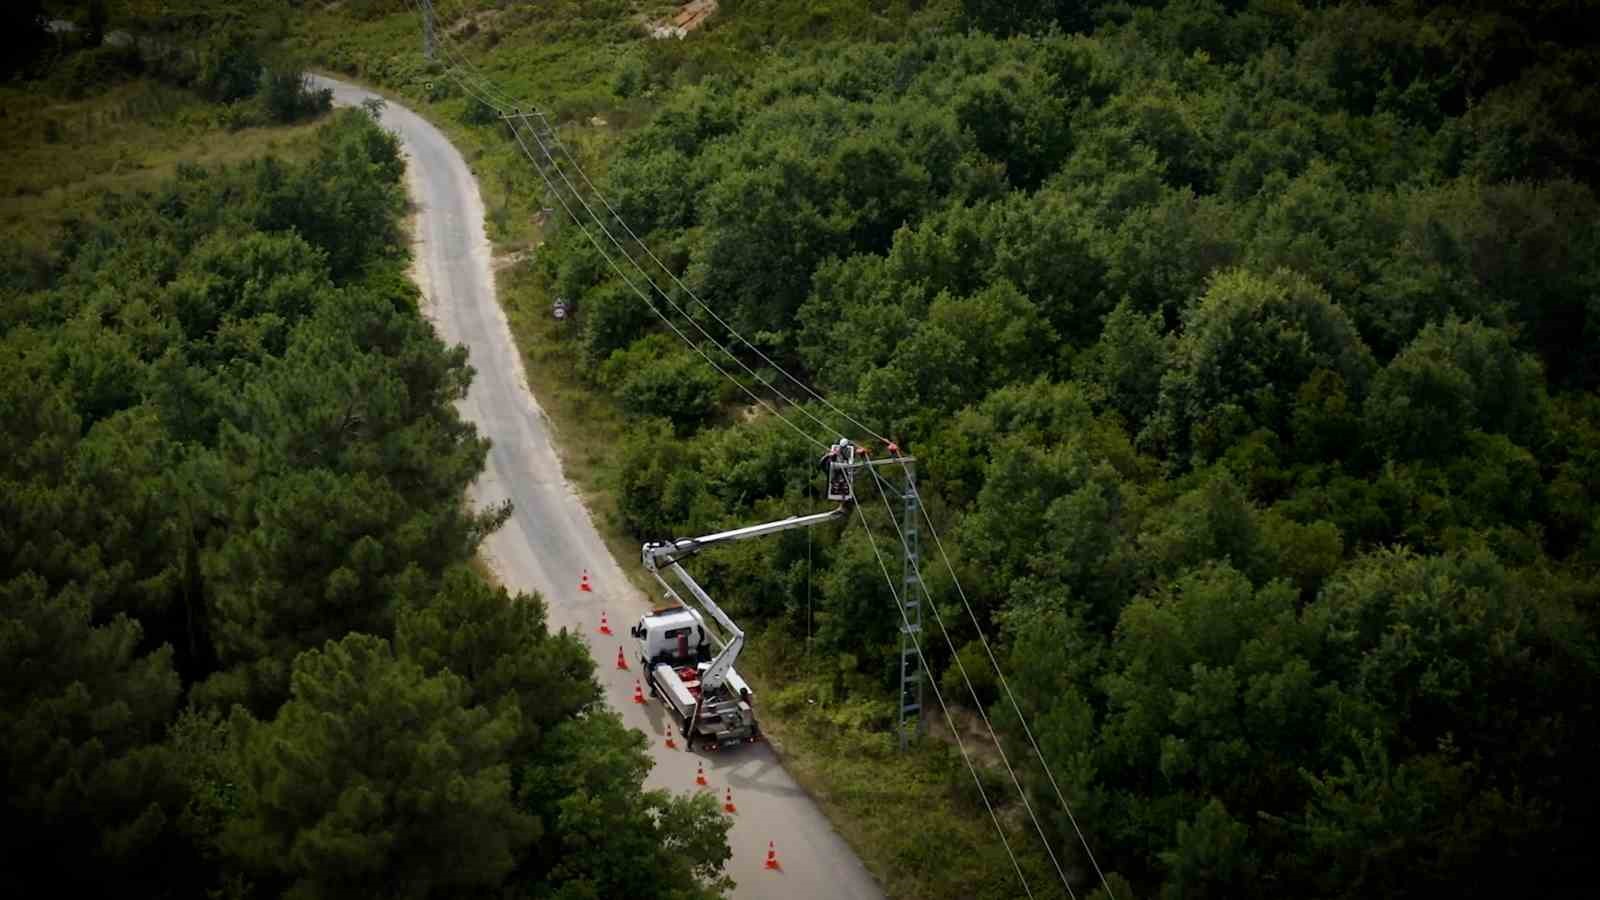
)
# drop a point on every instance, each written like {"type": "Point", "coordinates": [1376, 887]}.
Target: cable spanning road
{"type": "Point", "coordinates": [550, 539]}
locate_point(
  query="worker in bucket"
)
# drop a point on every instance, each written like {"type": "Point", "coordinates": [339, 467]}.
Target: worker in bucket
{"type": "Point", "coordinates": [838, 476]}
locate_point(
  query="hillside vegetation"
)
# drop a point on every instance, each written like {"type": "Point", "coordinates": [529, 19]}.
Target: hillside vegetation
{"type": "Point", "coordinates": [242, 649]}
{"type": "Point", "coordinates": [1247, 349]}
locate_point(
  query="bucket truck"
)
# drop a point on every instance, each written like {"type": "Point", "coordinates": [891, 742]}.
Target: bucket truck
{"type": "Point", "coordinates": [710, 701]}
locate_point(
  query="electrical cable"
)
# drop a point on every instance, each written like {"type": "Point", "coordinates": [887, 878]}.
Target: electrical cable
{"type": "Point", "coordinates": [1015, 708]}
{"type": "Point", "coordinates": [607, 257]}
{"type": "Point", "coordinates": [561, 146]}
{"type": "Point", "coordinates": [949, 720]}
{"type": "Point", "coordinates": [492, 96]}
{"type": "Point", "coordinates": [443, 43]}
{"type": "Point", "coordinates": [603, 230]}
{"type": "Point", "coordinates": [703, 305]}
{"type": "Point", "coordinates": [499, 101]}
{"type": "Point", "coordinates": [657, 288]}
{"type": "Point", "coordinates": [976, 703]}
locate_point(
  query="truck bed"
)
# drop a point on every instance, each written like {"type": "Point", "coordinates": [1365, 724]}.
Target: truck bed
{"type": "Point", "coordinates": [674, 689]}
{"type": "Point", "coordinates": [680, 690]}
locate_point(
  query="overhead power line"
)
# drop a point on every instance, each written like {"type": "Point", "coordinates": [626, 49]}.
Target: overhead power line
{"type": "Point", "coordinates": [502, 102]}
{"type": "Point", "coordinates": [487, 96]}
{"type": "Point", "coordinates": [977, 703]}
{"type": "Point", "coordinates": [516, 132]}
{"type": "Point", "coordinates": [655, 287]}
{"type": "Point", "coordinates": [949, 719]}
{"type": "Point", "coordinates": [713, 313]}
{"type": "Point", "coordinates": [954, 730]}
{"type": "Point", "coordinates": [1011, 697]}
{"type": "Point", "coordinates": [484, 91]}
{"type": "Point", "coordinates": [498, 101]}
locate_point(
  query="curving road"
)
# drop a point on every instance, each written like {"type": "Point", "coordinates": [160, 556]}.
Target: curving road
{"type": "Point", "coordinates": [550, 540]}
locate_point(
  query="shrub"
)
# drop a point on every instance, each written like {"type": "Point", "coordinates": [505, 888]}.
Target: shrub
{"type": "Point", "coordinates": [479, 112]}
{"type": "Point", "coordinates": [92, 71]}
{"type": "Point", "coordinates": [290, 97]}
{"type": "Point", "coordinates": [655, 378]}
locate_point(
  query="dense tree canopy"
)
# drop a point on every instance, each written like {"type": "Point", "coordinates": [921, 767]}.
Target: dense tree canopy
{"type": "Point", "coordinates": [376, 776]}
{"type": "Point", "coordinates": [243, 651]}
{"type": "Point", "coordinates": [1247, 346]}
{"type": "Point", "coordinates": [1248, 351]}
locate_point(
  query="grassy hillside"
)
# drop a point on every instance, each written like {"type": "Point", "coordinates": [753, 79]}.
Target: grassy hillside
{"type": "Point", "coordinates": [64, 152]}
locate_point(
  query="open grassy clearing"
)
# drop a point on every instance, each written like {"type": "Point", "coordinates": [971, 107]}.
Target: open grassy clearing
{"type": "Point", "coordinates": [63, 154]}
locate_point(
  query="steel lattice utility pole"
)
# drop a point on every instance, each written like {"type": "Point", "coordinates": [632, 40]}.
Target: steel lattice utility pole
{"type": "Point", "coordinates": [911, 625]}
{"type": "Point", "coordinates": [911, 669]}
{"type": "Point", "coordinates": [911, 588]}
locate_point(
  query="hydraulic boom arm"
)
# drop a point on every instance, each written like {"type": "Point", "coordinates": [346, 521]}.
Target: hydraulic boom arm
{"type": "Point", "coordinates": [658, 554]}
{"type": "Point", "coordinates": [839, 463]}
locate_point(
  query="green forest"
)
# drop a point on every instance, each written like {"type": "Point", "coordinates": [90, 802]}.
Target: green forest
{"type": "Point", "coordinates": [1244, 346]}
{"type": "Point", "coordinates": [1247, 352]}
{"type": "Point", "coordinates": [243, 651]}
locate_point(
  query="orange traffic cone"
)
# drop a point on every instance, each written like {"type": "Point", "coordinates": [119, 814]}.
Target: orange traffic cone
{"type": "Point", "coordinates": [772, 857]}
{"type": "Point", "coordinates": [583, 583]}
{"type": "Point", "coordinates": [605, 627]}
{"type": "Point", "coordinates": [700, 774]}
{"type": "Point", "coordinates": [727, 803]}
{"type": "Point", "coordinates": [622, 661]}
{"type": "Point", "coordinates": [671, 744]}
{"type": "Point", "coordinates": [638, 691]}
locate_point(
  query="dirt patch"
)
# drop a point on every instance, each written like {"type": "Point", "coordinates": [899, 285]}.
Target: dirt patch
{"type": "Point", "coordinates": [689, 16]}
{"type": "Point", "coordinates": [473, 23]}
{"type": "Point", "coordinates": [507, 260]}
{"type": "Point", "coordinates": [973, 734]}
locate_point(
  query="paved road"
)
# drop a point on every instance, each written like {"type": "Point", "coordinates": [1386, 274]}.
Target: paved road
{"type": "Point", "coordinates": [550, 540]}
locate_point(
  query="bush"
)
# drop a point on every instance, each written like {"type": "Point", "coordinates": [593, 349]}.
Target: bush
{"type": "Point", "coordinates": [240, 114]}
{"type": "Point", "coordinates": [92, 71]}
{"type": "Point", "coordinates": [979, 670]}
{"type": "Point", "coordinates": [996, 788]}
{"type": "Point", "coordinates": [290, 97]}
{"type": "Point", "coordinates": [479, 112]}
{"type": "Point", "coordinates": [654, 378]}
{"type": "Point", "coordinates": [230, 68]}
{"type": "Point", "coordinates": [612, 318]}
{"type": "Point", "coordinates": [439, 88]}
{"type": "Point", "coordinates": [628, 80]}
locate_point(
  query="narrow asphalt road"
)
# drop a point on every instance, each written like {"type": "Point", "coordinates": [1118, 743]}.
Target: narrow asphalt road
{"type": "Point", "coordinates": [550, 541]}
